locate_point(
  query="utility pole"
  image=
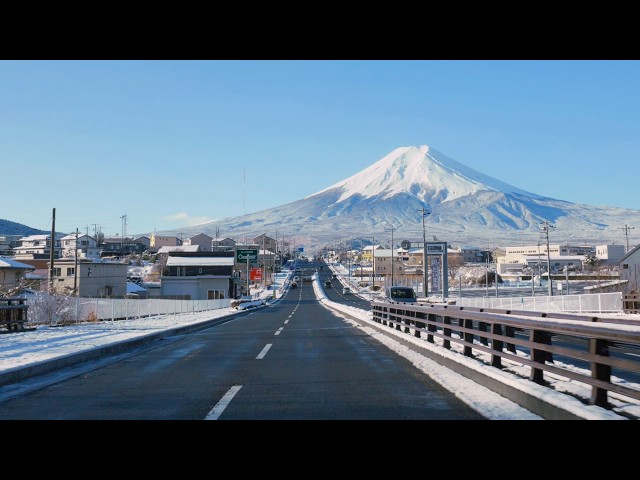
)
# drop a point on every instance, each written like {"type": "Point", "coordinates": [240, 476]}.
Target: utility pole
{"type": "Point", "coordinates": [626, 229]}
{"type": "Point", "coordinates": [391, 229]}
{"type": "Point", "coordinates": [51, 250]}
{"type": "Point", "coordinates": [425, 285]}
{"type": "Point", "coordinates": [545, 229]}
{"type": "Point", "coordinates": [75, 269]}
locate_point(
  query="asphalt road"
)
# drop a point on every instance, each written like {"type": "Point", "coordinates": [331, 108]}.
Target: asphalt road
{"type": "Point", "coordinates": [294, 360]}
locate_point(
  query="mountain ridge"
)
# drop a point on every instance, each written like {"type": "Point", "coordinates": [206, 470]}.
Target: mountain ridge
{"type": "Point", "coordinates": [466, 207]}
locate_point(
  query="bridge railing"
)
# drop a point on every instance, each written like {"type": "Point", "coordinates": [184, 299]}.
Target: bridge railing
{"type": "Point", "coordinates": [533, 339]}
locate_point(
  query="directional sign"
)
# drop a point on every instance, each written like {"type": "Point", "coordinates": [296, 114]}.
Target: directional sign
{"type": "Point", "coordinates": [243, 255]}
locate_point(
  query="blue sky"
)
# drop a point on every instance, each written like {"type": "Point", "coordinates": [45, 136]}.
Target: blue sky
{"type": "Point", "coordinates": [175, 143]}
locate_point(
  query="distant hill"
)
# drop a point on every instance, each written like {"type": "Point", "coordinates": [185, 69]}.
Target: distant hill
{"type": "Point", "coordinates": [13, 228]}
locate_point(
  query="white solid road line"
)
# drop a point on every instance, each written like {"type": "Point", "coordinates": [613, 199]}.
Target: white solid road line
{"type": "Point", "coordinates": [215, 413]}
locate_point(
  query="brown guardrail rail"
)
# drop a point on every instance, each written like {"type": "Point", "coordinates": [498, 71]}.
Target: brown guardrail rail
{"type": "Point", "coordinates": [529, 338]}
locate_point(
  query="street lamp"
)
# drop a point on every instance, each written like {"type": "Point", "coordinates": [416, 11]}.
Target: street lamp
{"type": "Point", "coordinates": [545, 229]}
{"type": "Point", "coordinates": [391, 229]}
{"type": "Point", "coordinates": [425, 285]}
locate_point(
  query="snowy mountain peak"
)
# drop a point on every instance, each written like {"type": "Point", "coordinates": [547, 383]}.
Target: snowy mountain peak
{"type": "Point", "coordinates": [422, 172]}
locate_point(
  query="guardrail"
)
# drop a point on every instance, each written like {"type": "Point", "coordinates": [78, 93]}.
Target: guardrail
{"type": "Point", "coordinates": [583, 303]}
{"type": "Point", "coordinates": [528, 338]}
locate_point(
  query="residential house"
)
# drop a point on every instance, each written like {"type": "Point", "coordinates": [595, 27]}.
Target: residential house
{"type": "Point", "coordinates": [159, 241]}
{"type": "Point", "coordinates": [266, 243]}
{"type": "Point", "coordinates": [224, 244]}
{"type": "Point", "coordinates": [38, 247]}
{"type": "Point", "coordinates": [8, 243]}
{"type": "Point", "coordinates": [146, 241]}
{"type": "Point", "coordinates": [204, 241]}
{"type": "Point", "coordinates": [90, 278]}
{"type": "Point", "coordinates": [121, 246]}
{"type": "Point", "coordinates": [198, 276]}
{"type": "Point", "coordinates": [179, 248]}
{"type": "Point", "coordinates": [83, 246]}
{"type": "Point", "coordinates": [630, 270]}
{"type": "Point", "coordinates": [12, 275]}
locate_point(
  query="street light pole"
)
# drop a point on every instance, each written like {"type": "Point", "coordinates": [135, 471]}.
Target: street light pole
{"type": "Point", "coordinates": [545, 228]}
{"type": "Point", "coordinates": [391, 229]}
{"type": "Point", "coordinates": [425, 285]}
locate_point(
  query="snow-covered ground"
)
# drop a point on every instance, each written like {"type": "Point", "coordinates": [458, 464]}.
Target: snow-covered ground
{"type": "Point", "coordinates": [22, 349]}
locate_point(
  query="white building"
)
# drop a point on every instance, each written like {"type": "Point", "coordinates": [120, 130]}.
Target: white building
{"type": "Point", "coordinates": [38, 246]}
{"type": "Point", "coordinates": [82, 245]}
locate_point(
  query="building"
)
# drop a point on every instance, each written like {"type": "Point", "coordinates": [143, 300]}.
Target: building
{"type": "Point", "coordinates": [146, 241]}
{"type": "Point", "coordinates": [609, 254]}
{"type": "Point", "coordinates": [202, 240]}
{"type": "Point", "coordinates": [12, 275]}
{"type": "Point", "coordinates": [630, 270]}
{"type": "Point", "coordinates": [198, 276]}
{"type": "Point", "coordinates": [89, 278]}
{"type": "Point", "coordinates": [82, 245]}
{"type": "Point", "coordinates": [8, 243]}
{"type": "Point", "coordinates": [266, 243]}
{"type": "Point", "coordinates": [158, 241]}
{"type": "Point", "coordinates": [514, 254]}
{"type": "Point", "coordinates": [38, 247]}
{"type": "Point", "coordinates": [121, 246]}
{"type": "Point", "coordinates": [224, 244]}
{"type": "Point", "coordinates": [179, 248]}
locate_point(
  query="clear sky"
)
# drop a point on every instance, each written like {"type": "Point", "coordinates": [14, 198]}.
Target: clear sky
{"type": "Point", "coordinates": [161, 144]}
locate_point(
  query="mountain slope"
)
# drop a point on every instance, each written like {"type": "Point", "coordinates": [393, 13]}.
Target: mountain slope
{"type": "Point", "coordinates": [466, 207]}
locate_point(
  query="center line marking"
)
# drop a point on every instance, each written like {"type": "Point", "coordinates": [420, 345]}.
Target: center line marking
{"type": "Point", "coordinates": [215, 413]}
{"type": "Point", "coordinates": [264, 351]}
{"type": "Point", "coordinates": [279, 330]}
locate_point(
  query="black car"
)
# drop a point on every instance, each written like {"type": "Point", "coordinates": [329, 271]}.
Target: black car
{"type": "Point", "coordinates": [327, 284]}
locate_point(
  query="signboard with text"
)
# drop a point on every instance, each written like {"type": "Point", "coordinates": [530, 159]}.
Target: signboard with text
{"type": "Point", "coordinates": [250, 254]}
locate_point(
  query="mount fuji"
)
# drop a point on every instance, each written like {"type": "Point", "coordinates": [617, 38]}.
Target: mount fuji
{"type": "Point", "coordinates": [466, 207]}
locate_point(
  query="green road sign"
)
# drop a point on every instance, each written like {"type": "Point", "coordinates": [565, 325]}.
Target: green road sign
{"type": "Point", "coordinates": [250, 254]}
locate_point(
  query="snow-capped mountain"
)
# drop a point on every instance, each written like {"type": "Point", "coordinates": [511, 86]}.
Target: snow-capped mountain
{"type": "Point", "coordinates": [466, 207]}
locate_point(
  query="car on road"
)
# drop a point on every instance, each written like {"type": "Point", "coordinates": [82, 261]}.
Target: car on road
{"type": "Point", "coordinates": [346, 291]}
{"type": "Point", "coordinates": [401, 294]}
{"type": "Point", "coordinates": [294, 285]}
{"type": "Point", "coordinates": [327, 284]}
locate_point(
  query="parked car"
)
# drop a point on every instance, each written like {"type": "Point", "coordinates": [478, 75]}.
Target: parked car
{"type": "Point", "coordinates": [346, 291]}
{"type": "Point", "coordinates": [401, 294]}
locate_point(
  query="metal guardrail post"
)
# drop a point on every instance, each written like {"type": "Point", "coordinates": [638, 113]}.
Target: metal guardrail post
{"type": "Point", "coordinates": [483, 327]}
{"type": "Point", "coordinates": [496, 345]}
{"type": "Point", "coordinates": [599, 371]}
{"type": "Point", "coordinates": [539, 356]}
{"type": "Point", "coordinates": [431, 326]}
{"type": "Point", "coordinates": [468, 337]}
{"type": "Point", "coordinates": [446, 332]}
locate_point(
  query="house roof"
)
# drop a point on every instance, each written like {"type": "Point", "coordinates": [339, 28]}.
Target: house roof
{"type": "Point", "coordinates": [630, 253]}
{"type": "Point", "coordinates": [14, 265]}
{"type": "Point", "coordinates": [200, 261]}
{"type": "Point", "coordinates": [179, 248]}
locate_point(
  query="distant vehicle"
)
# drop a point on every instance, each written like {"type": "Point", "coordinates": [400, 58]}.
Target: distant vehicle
{"type": "Point", "coordinates": [294, 285]}
{"type": "Point", "coordinates": [401, 294]}
{"type": "Point", "coordinates": [296, 278]}
{"type": "Point", "coordinates": [334, 276]}
{"type": "Point", "coordinates": [327, 284]}
{"type": "Point", "coordinates": [346, 291]}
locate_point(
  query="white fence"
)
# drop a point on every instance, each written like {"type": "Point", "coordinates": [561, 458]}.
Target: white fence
{"type": "Point", "coordinates": [82, 309]}
{"type": "Point", "coordinates": [586, 303]}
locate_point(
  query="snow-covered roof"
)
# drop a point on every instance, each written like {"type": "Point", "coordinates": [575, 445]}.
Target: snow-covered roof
{"type": "Point", "coordinates": [199, 261]}
{"type": "Point", "coordinates": [179, 248]}
{"type": "Point", "coordinates": [9, 263]}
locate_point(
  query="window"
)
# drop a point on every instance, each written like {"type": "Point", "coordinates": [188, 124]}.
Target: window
{"type": "Point", "coordinates": [71, 271]}
{"type": "Point", "coordinates": [57, 272]}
